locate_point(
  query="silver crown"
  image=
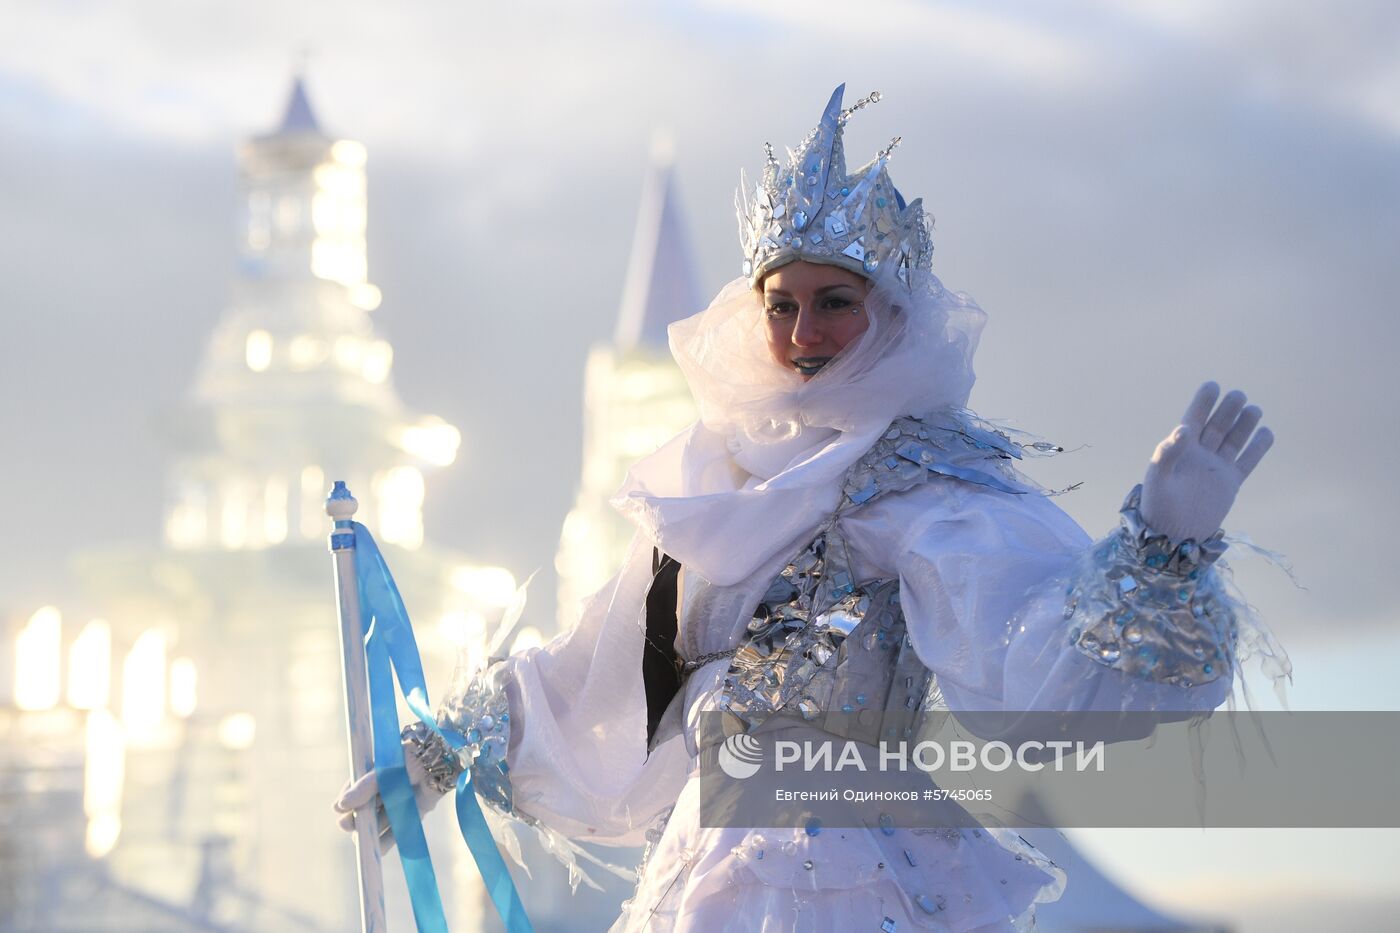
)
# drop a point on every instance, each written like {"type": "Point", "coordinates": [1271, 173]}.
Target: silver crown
{"type": "Point", "coordinates": [813, 210]}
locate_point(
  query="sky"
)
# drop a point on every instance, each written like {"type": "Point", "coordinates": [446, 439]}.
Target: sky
{"type": "Point", "coordinates": [1142, 195]}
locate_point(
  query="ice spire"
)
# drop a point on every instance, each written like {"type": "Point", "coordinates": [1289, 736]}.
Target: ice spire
{"type": "Point", "coordinates": [661, 283]}
{"type": "Point", "coordinates": [298, 117]}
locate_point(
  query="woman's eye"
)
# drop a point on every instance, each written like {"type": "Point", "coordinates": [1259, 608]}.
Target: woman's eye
{"type": "Point", "coordinates": [779, 310]}
{"type": "Point", "coordinates": [835, 304]}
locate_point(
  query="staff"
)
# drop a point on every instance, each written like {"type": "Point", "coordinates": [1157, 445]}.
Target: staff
{"type": "Point", "coordinates": [341, 508]}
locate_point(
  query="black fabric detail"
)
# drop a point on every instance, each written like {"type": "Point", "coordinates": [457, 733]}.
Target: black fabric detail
{"type": "Point", "coordinates": [661, 666]}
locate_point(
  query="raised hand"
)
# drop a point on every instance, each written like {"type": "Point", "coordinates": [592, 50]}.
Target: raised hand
{"type": "Point", "coordinates": [1197, 471]}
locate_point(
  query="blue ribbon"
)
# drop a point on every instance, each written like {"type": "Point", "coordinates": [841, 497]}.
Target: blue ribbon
{"type": "Point", "coordinates": [472, 822]}
{"type": "Point", "coordinates": [391, 650]}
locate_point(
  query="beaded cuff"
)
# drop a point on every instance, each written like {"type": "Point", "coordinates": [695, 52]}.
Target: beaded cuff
{"type": "Point", "coordinates": [434, 754]}
{"type": "Point", "coordinates": [480, 712]}
{"type": "Point", "coordinates": [1153, 608]}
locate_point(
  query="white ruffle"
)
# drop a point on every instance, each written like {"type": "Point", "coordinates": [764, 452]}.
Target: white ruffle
{"type": "Point", "coordinates": [769, 880]}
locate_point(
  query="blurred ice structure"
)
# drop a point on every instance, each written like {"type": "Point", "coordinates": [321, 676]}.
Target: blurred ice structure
{"type": "Point", "coordinates": [171, 765]}
{"type": "Point", "coordinates": [634, 396]}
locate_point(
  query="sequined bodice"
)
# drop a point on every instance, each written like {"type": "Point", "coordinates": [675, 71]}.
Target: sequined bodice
{"type": "Point", "coordinates": [836, 650]}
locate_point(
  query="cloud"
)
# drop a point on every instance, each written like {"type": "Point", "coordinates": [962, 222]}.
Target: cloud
{"type": "Point", "coordinates": [947, 34]}
{"type": "Point", "coordinates": [1343, 57]}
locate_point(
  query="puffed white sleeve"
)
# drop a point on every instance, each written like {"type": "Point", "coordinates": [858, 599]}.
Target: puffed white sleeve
{"type": "Point", "coordinates": [1014, 608]}
{"type": "Point", "coordinates": [557, 735]}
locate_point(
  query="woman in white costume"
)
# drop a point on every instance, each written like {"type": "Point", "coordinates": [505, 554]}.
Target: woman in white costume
{"type": "Point", "coordinates": [835, 491]}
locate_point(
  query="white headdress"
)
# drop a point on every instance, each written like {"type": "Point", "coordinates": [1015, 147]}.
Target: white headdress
{"type": "Point", "coordinates": [916, 354]}
{"type": "Point", "coordinates": [764, 465]}
{"type": "Point", "coordinates": [813, 210]}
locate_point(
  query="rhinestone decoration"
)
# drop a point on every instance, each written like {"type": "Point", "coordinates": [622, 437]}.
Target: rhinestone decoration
{"type": "Point", "coordinates": [913, 451]}
{"type": "Point", "coordinates": [480, 712]}
{"type": "Point", "coordinates": [439, 762]}
{"type": "Point", "coordinates": [1153, 608]}
{"type": "Point", "coordinates": [821, 643]}
{"type": "Point", "coordinates": [805, 648]}
{"type": "Point", "coordinates": [814, 188]}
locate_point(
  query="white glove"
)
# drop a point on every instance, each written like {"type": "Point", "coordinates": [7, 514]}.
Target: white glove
{"type": "Point", "coordinates": [1197, 471]}
{"type": "Point", "coordinates": [361, 794]}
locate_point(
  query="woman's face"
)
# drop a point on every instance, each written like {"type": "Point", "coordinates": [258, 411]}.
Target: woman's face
{"type": "Point", "coordinates": [812, 311]}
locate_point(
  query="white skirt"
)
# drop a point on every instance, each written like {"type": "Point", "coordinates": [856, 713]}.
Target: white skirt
{"type": "Point", "coordinates": [707, 879]}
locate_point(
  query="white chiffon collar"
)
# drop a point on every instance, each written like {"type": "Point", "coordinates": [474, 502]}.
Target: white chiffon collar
{"type": "Point", "coordinates": [723, 507]}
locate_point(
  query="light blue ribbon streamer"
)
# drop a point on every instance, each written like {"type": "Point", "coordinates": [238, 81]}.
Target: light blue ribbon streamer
{"type": "Point", "coordinates": [391, 650]}
{"type": "Point", "coordinates": [472, 822]}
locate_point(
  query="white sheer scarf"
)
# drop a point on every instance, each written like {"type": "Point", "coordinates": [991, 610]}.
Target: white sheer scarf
{"type": "Point", "coordinates": [763, 465]}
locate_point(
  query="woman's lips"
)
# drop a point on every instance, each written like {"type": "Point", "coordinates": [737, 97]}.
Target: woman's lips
{"type": "Point", "coordinates": [808, 365]}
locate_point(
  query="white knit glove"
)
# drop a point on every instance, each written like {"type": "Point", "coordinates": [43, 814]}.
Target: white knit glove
{"type": "Point", "coordinates": [1197, 471]}
{"type": "Point", "coordinates": [364, 793]}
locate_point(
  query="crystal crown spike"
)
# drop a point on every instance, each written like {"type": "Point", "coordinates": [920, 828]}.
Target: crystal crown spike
{"type": "Point", "coordinates": [811, 209]}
